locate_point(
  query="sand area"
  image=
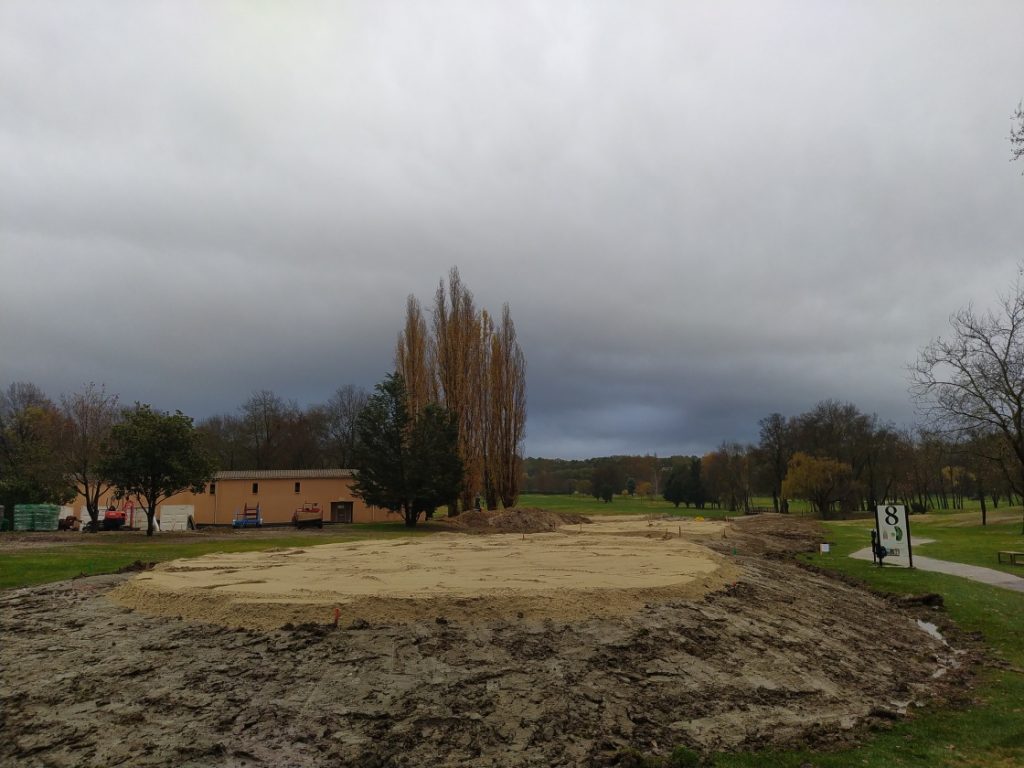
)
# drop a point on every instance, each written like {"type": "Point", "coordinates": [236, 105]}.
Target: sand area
{"type": "Point", "coordinates": [602, 568]}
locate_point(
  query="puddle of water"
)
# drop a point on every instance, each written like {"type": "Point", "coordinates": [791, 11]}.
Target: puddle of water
{"type": "Point", "coordinates": [932, 630]}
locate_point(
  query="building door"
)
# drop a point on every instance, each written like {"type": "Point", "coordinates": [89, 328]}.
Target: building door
{"type": "Point", "coordinates": [341, 511]}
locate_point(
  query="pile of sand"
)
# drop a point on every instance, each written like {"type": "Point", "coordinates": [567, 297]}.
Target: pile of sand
{"type": "Point", "coordinates": [563, 575]}
{"type": "Point", "coordinates": [516, 520]}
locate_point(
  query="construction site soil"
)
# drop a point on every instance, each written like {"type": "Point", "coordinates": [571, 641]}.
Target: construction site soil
{"type": "Point", "coordinates": [772, 655]}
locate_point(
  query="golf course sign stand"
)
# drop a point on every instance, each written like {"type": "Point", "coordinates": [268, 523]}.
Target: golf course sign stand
{"type": "Point", "coordinates": [890, 541]}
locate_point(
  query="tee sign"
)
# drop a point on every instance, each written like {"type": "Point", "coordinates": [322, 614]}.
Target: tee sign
{"type": "Point", "coordinates": [894, 534]}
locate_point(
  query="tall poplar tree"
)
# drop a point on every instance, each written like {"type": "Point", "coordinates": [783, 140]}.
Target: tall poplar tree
{"type": "Point", "coordinates": [476, 371]}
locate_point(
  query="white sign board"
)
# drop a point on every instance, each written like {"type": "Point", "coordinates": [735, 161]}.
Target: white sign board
{"type": "Point", "coordinates": [894, 534]}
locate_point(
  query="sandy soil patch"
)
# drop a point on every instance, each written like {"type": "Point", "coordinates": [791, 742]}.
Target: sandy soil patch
{"type": "Point", "coordinates": [659, 525]}
{"type": "Point", "coordinates": [553, 575]}
{"type": "Point", "coordinates": [783, 656]}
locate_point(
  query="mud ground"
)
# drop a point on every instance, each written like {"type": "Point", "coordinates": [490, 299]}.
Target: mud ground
{"type": "Point", "coordinates": [784, 656]}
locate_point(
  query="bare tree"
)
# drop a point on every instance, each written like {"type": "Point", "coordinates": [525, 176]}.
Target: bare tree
{"type": "Point", "coordinates": [776, 447]}
{"type": "Point", "coordinates": [477, 372]}
{"type": "Point", "coordinates": [727, 475]}
{"type": "Point", "coordinates": [456, 354]}
{"type": "Point", "coordinates": [973, 382]}
{"type": "Point", "coordinates": [506, 422]}
{"type": "Point", "coordinates": [340, 415]}
{"type": "Point", "coordinates": [266, 417]}
{"type": "Point", "coordinates": [226, 439]}
{"type": "Point", "coordinates": [89, 416]}
{"type": "Point", "coordinates": [413, 360]}
{"type": "Point", "coordinates": [1017, 133]}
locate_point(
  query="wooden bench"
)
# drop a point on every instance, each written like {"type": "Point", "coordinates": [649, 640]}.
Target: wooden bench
{"type": "Point", "coordinates": [1013, 558]}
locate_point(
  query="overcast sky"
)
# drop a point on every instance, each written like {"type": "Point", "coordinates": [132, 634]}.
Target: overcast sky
{"type": "Point", "coordinates": [699, 212]}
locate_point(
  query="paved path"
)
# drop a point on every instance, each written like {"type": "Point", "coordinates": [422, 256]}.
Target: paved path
{"type": "Point", "coordinates": [972, 572]}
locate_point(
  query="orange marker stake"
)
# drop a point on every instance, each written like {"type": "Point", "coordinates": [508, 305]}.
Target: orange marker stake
{"type": "Point", "coordinates": [337, 616]}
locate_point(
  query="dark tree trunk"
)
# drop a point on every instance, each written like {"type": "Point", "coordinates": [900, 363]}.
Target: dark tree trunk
{"type": "Point", "coordinates": [93, 508]}
{"type": "Point", "coordinates": [151, 502]}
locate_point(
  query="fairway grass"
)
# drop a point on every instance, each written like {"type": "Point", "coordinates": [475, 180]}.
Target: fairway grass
{"type": "Point", "coordinates": [621, 505]}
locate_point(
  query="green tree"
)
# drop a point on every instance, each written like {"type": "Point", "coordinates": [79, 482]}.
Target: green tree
{"type": "Point", "coordinates": [405, 463]}
{"type": "Point", "coordinates": [675, 491]}
{"type": "Point", "coordinates": [823, 482]}
{"type": "Point", "coordinates": [605, 481]}
{"type": "Point", "coordinates": [30, 468]}
{"type": "Point", "coordinates": [153, 455]}
{"type": "Point", "coordinates": [693, 485]}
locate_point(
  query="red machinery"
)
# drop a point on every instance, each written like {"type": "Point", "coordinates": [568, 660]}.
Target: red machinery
{"type": "Point", "coordinates": [308, 515]}
{"type": "Point", "coordinates": [114, 519]}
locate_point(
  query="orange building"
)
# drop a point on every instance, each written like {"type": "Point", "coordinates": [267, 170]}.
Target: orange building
{"type": "Point", "coordinates": [278, 492]}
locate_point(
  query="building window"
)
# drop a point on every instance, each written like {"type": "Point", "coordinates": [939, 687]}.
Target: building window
{"type": "Point", "coordinates": [298, 486]}
{"type": "Point", "coordinates": [255, 487]}
{"type": "Point", "coordinates": [213, 489]}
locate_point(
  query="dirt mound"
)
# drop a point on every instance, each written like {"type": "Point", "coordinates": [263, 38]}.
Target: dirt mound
{"type": "Point", "coordinates": [784, 657]}
{"type": "Point", "coordinates": [516, 520]}
{"type": "Point", "coordinates": [775, 534]}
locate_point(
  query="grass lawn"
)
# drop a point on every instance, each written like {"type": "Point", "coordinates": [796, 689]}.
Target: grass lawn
{"type": "Point", "coordinates": [638, 505]}
{"type": "Point", "coordinates": [958, 536]}
{"type": "Point", "coordinates": [106, 552]}
{"type": "Point", "coordinates": [621, 505]}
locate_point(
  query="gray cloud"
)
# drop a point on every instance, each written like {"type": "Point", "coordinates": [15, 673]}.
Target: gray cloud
{"type": "Point", "coordinates": [699, 213]}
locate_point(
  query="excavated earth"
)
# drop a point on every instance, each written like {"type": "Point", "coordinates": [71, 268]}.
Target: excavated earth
{"type": "Point", "coordinates": [777, 656]}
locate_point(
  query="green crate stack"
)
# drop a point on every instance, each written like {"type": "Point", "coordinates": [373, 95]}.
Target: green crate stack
{"type": "Point", "coordinates": [36, 517]}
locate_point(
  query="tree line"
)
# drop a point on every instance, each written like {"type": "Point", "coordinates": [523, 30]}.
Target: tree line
{"type": "Point", "coordinates": [462, 387]}
{"type": "Point", "coordinates": [268, 432]}
{"type": "Point", "coordinates": [835, 456]}
{"type": "Point", "coordinates": [86, 444]}
{"type": "Point", "coordinates": [470, 369]}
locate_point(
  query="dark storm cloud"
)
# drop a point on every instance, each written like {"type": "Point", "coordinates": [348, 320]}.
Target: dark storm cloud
{"type": "Point", "coordinates": [700, 213]}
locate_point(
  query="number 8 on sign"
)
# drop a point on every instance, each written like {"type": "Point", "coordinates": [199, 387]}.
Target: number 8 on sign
{"type": "Point", "coordinates": [894, 534]}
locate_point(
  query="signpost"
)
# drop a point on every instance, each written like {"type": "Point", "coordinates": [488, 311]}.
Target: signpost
{"type": "Point", "coordinates": [893, 535]}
